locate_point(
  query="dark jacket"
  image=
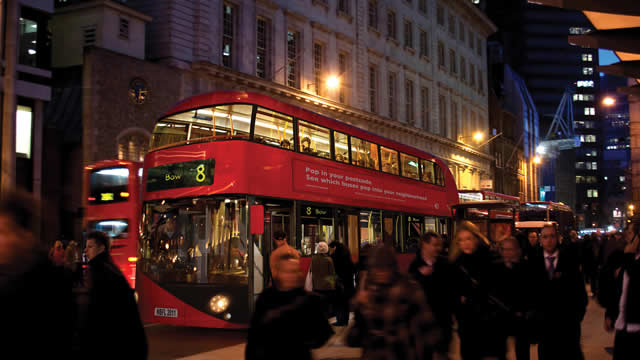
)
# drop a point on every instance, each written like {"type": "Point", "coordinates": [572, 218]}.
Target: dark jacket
{"type": "Point", "coordinates": [611, 286]}
{"type": "Point", "coordinates": [438, 293]}
{"type": "Point", "coordinates": [562, 300]}
{"type": "Point", "coordinates": [323, 274]}
{"type": "Point", "coordinates": [344, 268]}
{"type": "Point", "coordinates": [286, 325]}
{"type": "Point", "coordinates": [112, 314]}
{"type": "Point", "coordinates": [513, 289]}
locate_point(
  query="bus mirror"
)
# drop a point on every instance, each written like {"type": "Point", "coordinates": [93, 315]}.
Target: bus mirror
{"type": "Point", "coordinates": [257, 219]}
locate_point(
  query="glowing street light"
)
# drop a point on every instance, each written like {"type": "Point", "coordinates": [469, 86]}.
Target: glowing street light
{"type": "Point", "coordinates": [631, 207]}
{"type": "Point", "coordinates": [537, 160]}
{"type": "Point", "coordinates": [608, 101]}
{"type": "Point", "coordinates": [333, 82]}
{"type": "Point", "coordinates": [540, 150]}
{"type": "Point", "coordinates": [478, 136]}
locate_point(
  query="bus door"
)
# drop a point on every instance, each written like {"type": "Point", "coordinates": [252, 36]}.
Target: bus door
{"type": "Point", "coordinates": [316, 225]}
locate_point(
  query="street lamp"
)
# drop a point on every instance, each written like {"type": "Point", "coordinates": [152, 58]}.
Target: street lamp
{"type": "Point", "coordinates": [478, 136]}
{"type": "Point", "coordinates": [608, 101]}
{"type": "Point", "coordinates": [537, 160]}
{"type": "Point", "coordinates": [333, 82]}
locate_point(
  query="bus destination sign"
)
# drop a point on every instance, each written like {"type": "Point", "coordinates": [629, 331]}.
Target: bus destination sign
{"type": "Point", "coordinates": [180, 175]}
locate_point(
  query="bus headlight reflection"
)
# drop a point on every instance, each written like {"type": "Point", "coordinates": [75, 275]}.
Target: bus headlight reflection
{"type": "Point", "coordinates": [219, 303]}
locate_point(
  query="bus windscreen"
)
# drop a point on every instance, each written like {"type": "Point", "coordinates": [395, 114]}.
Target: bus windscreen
{"type": "Point", "coordinates": [109, 185]}
{"type": "Point", "coordinates": [533, 212]}
{"type": "Point", "coordinates": [115, 228]}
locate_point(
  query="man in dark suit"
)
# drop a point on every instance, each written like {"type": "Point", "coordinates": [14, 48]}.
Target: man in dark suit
{"type": "Point", "coordinates": [560, 299]}
{"type": "Point", "coordinates": [622, 299]}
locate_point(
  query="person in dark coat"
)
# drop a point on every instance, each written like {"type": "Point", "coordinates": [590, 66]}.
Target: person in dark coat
{"type": "Point", "coordinates": [38, 303]}
{"type": "Point", "coordinates": [478, 310]}
{"type": "Point", "coordinates": [513, 289]}
{"type": "Point", "coordinates": [620, 295]}
{"type": "Point", "coordinates": [288, 322]}
{"type": "Point", "coordinates": [344, 291]}
{"type": "Point", "coordinates": [395, 321]}
{"type": "Point", "coordinates": [112, 312]}
{"type": "Point", "coordinates": [434, 272]}
{"type": "Point", "coordinates": [560, 299]}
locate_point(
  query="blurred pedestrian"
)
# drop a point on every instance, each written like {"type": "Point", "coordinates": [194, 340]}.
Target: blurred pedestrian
{"type": "Point", "coordinates": [112, 312]}
{"type": "Point", "coordinates": [282, 246]}
{"type": "Point", "coordinates": [345, 285]}
{"type": "Point", "coordinates": [321, 277]}
{"type": "Point", "coordinates": [33, 292]}
{"type": "Point", "coordinates": [513, 289]}
{"type": "Point", "coordinates": [478, 310]}
{"type": "Point", "coordinates": [560, 299]}
{"type": "Point", "coordinates": [56, 254]}
{"type": "Point", "coordinates": [395, 321]}
{"type": "Point", "coordinates": [622, 299]}
{"type": "Point", "coordinates": [532, 246]}
{"type": "Point", "coordinates": [287, 322]}
{"type": "Point", "coordinates": [434, 272]}
{"type": "Point", "coordinates": [72, 262]}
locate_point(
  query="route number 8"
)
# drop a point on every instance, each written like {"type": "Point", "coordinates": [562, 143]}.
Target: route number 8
{"type": "Point", "coordinates": [200, 175]}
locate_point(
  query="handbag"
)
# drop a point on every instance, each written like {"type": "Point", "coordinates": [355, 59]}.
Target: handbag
{"type": "Point", "coordinates": [308, 282]}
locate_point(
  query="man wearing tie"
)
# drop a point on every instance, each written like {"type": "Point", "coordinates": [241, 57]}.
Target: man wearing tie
{"type": "Point", "coordinates": [560, 300]}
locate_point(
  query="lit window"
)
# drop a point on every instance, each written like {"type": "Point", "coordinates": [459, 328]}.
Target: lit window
{"type": "Point", "coordinates": [621, 178]}
{"type": "Point", "coordinates": [274, 128]}
{"type": "Point", "coordinates": [364, 153]}
{"type": "Point", "coordinates": [587, 71]}
{"type": "Point", "coordinates": [409, 166]}
{"type": "Point", "coordinates": [592, 193]}
{"type": "Point", "coordinates": [24, 124]}
{"type": "Point", "coordinates": [341, 146]}
{"type": "Point", "coordinates": [585, 83]}
{"type": "Point", "coordinates": [263, 47]}
{"type": "Point", "coordinates": [389, 160]}
{"type": "Point", "coordinates": [587, 57]}
{"type": "Point", "coordinates": [227, 35]}
{"type": "Point", "coordinates": [589, 111]}
{"type": "Point", "coordinates": [314, 139]}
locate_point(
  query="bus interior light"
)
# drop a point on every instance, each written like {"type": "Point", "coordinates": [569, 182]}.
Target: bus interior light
{"type": "Point", "coordinates": [132, 259]}
{"type": "Point", "coordinates": [124, 194]}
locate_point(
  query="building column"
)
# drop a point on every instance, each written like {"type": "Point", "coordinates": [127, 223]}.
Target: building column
{"type": "Point", "coordinates": [634, 133]}
{"type": "Point", "coordinates": [8, 174]}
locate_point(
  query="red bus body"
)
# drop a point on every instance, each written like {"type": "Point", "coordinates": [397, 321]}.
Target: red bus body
{"type": "Point", "coordinates": [114, 211]}
{"type": "Point", "coordinates": [268, 174]}
{"type": "Point", "coordinates": [482, 195]}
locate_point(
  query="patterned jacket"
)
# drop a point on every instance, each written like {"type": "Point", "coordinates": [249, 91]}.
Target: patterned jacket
{"type": "Point", "coordinates": [394, 323]}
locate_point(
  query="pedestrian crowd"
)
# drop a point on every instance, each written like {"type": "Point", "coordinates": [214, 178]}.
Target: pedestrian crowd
{"type": "Point", "coordinates": [54, 309]}
{"type": "Point", "coordinates": [530, 287]}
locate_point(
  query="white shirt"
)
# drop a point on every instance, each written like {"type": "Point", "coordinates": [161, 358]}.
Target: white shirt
{"type": "Point", "coordinates": [620, 322]}
{"type": "Point", "coordinates": [555, 260]}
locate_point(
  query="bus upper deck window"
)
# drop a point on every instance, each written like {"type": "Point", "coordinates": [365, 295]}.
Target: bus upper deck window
{"type": "Point", "coordinates": [389, 160]}
{"type": "Point", "coordinates": [274, 128]}
{"type": "Point", "coordinates": [341, 146]}
{"type": "Point", "coordinates": [314, 139]}
{"type": "Point", "coordinates": [364, 153]}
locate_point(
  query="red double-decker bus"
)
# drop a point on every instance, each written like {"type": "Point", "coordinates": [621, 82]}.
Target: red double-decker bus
{"type": "Point", "coordinates": [114, 207]}
{"type": "Point", "coordinates": [223, 163]}
{"type": "Point", "coordinates": [483, 195]}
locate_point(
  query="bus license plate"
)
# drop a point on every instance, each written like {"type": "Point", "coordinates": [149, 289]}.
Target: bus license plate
{"type": "Point", "coordinates": [166, 312]}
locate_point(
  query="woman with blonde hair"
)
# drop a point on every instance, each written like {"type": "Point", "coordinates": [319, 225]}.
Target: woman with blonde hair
{"type": "Point", "coordinates": [478, 311]}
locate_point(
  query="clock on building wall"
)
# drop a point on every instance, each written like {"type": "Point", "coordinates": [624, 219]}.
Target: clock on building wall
{"type": "Point", "coordinates": [138, 91]}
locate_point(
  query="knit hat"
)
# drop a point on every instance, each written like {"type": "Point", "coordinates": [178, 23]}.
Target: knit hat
{"type": "Point", "coordinates": [322, 248]}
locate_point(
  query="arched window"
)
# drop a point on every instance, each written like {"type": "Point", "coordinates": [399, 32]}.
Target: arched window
{"type": "Point", "coordinates": [133, 144]}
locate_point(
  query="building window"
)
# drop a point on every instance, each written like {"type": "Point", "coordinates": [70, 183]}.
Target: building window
{"type": "Point", "coordinates": [589, 111]}
{"type": "Point", "coordinates": [422, 6]}
{"type": "Point", "coordinates": [441, 54]}
{"type": "Point", "coordinates": [452, 25]}
{"type": "Point", "coordinates": [343, 7]}
{"type": "Point", "coordinates": [479, 47]}
{"type": "Point", "coordinates": [33, 38]}
{"type": "Point", "coordinates": [24, 126]}
{"type": "Point", "coordinates": [228, 20]}
{"type": "Point", "coordinates": [621, 179]}
{"type": "Point", "coordinates": [89, 35]}
{"type": "Point", "coordinates": [463, 69]}
{"type": "Point", "coordinates": [123, 32]}
{"type": "Point", "coordinates": [408, 34]}
{"type": "Point", "coordinates": [472, 75]}
{"type": "Point", "coordinates": [424, 107]}
{"type": "Point", "coordinates": [471, 42]}
{"type": "Point", "coordinates": [263, 47]}
{"type": "Point", "coordinates": [592, 165]}
{"type": "Point", "coordinates": [293, 69]}
{"type": "Point", "coordinates": [587, 138]}
{"type": "Point", "coordinates": [592, 193]}
{"type": "Point", "coordinates": [461, 32]}
{"type": "Point", "coordinates": [583, 97]}
{"type": "Point", "coordinates": [424, 44]}
{"type": "Point", "coordinates": [480, 82]}
{"type": "Point", "coordinates": [585, 83]}
{"type": "Point", "coordinates": [133, 146]}
{"type": "Point", "coordinates": [318, 65]}
{"type": "Point", "coordinates": [587, 57]}
{"type": "Point", "coordinates": [454, 120]}
{"type": "Point", "coordinates": [578, 30]}
{"type": "Point", "coordinates": [453, 62]}
{"type": "Point", "coordinates": [373, 14]}
{"type": "Point", "coordinates": [472, 120]}
{"type": "Point", "coordinates": [440, 15]}
{"type": "Point", "coordinates": [373, 88]}
{"type": "Point", "coordinates": [408, 93]}
{"type": "Point", "coordinates": [442, 110]}
{"type": "Point", "coordinates": [391, 24]}
{"type": "Point", "coordinates": [392, 95]}
{"type": "Point", "coordinates": [343, 68]}
{"type": "Point", "coordinates": [587, 71]}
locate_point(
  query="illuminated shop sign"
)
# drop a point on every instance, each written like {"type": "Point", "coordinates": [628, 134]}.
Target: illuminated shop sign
{"type": "Point", "coordinates": [180, 175]}
{"type": "Point", "coordinates": [316, 211]}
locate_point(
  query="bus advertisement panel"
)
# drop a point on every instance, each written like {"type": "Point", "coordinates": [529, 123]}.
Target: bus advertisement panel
{"type": "Point", "coordinates": [218, 157]}
{"type": "Point", "coordinates": [113, 206]}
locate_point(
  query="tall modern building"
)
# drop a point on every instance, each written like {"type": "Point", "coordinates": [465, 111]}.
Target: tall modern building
{"type": "Point", "coordinates": [535, 44]}
{"type": "Point", "coordinates": [412, 71]}
{"type": "Point", "coordinates": [26, 90]}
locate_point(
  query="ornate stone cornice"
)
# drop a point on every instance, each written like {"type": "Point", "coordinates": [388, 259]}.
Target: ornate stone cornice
{"type": "Point", "coordinates": [295, 15]}
{"type": "Point", "coordinates": [320, 27]}
{"type": "Point", "coordinates": [375, 53]}
{"type": "Point", "coordinates": [269, 3]}
{"type": "Point", "coordinates": [344, 37]}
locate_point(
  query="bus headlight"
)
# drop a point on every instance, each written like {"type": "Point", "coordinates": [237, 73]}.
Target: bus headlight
{"type": "Point", "coordinates": [219, 303]}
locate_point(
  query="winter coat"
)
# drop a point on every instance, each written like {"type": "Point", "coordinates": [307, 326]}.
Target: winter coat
{"type": "Point", "coordinates": [323, 274]}
{"type": "Point", "coordinates": [286, 325]}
